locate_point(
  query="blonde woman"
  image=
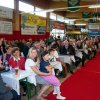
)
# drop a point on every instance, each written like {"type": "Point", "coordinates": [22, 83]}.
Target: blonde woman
{"type": "Point", "coordinates": [31, 65]}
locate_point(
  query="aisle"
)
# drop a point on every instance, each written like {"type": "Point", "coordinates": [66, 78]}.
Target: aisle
{"type": "Point", "coordinates": [84, 84]}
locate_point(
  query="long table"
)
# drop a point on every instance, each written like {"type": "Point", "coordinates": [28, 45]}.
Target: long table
{"type": "Point", "coordinates": [14, 81]}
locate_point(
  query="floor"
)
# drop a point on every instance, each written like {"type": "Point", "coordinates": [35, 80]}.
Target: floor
{"type": "Point", "coordinates": [84, 84]}
{"type": "Point", "coordinates": [51, 88]}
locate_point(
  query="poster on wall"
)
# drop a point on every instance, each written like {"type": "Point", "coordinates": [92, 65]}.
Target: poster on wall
{"type": "Point", "coordinates": [6, 12]}
{"type": "Point", "coordinates": [41, 29]}
{"type": "Point", "coordinates": [32, 24]}
{"type": "Point", "coordinates": [5, 27]}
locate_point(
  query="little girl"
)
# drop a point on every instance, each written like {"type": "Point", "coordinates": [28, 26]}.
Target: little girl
{"type": "Point", "coordinates": [52, 79]}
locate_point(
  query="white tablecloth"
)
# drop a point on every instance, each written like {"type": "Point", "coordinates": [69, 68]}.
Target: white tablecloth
{"type": "Point", "coordinates": [56, 65]}
{"type": "Point", "coordinates": [79, 54]}
{"type": "Point", "coordinates": [13, 81]}
{"type": "Point", "coordinates": [67, 58]}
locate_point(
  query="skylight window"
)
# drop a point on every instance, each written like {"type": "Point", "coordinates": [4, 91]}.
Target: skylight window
{"type": "Point", "coordinates": [7, 3]}
{"type": "Point", "coordinates": [40, 12]}
{"type": "Point", "coordinates": [26, 7]}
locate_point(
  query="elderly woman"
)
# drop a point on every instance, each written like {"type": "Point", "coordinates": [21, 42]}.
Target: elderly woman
{"type": "Point", "coordinates": [17, 60]}
{"type": "Point", "coordinates": [32, 65]}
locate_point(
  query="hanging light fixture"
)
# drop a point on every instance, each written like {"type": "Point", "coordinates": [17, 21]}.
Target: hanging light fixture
{"type": "Point", "coordinates": [94, 6]}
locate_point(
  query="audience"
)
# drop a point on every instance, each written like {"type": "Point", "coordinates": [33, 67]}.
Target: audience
{"type": "Point", "coordinates": [41, 64]}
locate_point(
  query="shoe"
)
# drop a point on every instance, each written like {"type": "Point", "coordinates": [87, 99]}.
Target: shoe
{"type": "Point", "coordinates": [55, 93]}
{"type": "Point", "coordinates": [60, 98]}
{"type": "Point", "coordinates": [24, 94]}
{"type": "Point", "coordinates": [71, 72]}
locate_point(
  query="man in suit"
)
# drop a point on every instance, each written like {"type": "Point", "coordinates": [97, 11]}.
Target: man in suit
{"type": "Point", "coordinates": [7, 93]}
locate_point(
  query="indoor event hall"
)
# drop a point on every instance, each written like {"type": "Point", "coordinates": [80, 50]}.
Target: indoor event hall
{"type": "Point", "coordinates": [49, 49]}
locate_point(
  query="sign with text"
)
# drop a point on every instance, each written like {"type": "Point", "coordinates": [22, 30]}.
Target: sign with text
{"type": "Point", "coordinates": [6, 12]}
{"type": "Point", "coordinates": [41, 29]}
{"type": "Point", "coordinates": [84, 30]}
{"type": "Point", "coordinates": [32, 24]}
{"type": "Point", "coordinates": [94, 26]}
{"type": "Point", "coordinates": [5, 27]}
{"type": "Point", "coordinates": [57, 25]}
{"type": "Point", "coordinates": [94, 33]}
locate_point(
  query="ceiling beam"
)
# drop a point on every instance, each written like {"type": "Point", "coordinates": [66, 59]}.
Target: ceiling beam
{"type": "Point", "coordinates": [38, 3]}
{"type": "Point", "coordinates": [62, 4]}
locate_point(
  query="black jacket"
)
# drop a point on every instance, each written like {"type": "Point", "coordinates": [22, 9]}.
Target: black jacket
{"type": "Point", "coordinates": [70, 50]}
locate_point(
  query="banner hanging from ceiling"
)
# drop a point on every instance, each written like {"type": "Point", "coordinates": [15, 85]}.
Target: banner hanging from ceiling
{"type": "Point", "coordinates": [72, 4]}
{"type": "Point", "coordinates": [86, 14]}
{"type": "Point", "coordinates": [94, 33]}
{"type": "Point", "coordinates": [32, 24]}
{"type": "Point", "coordinates": [94, 17]}
{"type": "Point", "coordinates": [57, 25]}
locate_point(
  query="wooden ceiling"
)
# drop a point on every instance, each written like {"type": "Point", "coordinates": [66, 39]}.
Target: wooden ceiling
{"type": "Point", "coordinates": [61, 4]}
{"type": "Point", "coordinates": [78, 14]}
{"type": "Point", "coordinates": [56, 4]}
{"type": "Point", "coordinates": [81, 0]}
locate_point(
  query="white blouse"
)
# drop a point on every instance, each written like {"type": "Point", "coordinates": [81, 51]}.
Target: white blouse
{"type": "Point", "coordinates": [28, 64]}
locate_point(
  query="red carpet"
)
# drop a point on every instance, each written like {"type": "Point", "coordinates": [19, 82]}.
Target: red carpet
{"type": "Point", "coordinates": [84, 84]}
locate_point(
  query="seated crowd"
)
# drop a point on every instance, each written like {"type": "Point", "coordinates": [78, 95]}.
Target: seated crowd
{"type": "Point", "coordinates": [43, 59]}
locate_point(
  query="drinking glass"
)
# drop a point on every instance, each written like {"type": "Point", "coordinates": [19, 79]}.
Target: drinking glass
{"type": "Point", "coordinates": [16, 71]}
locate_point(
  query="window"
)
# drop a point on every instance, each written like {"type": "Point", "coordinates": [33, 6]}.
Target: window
{"type": "Point", "coordinates": [52, 16]}
{"type": "Point", "coordinates": [60, 18]}
{"type": "Point", "coordinates": [69, 21]}
{"type": "Point", "coordinates": [26, 7]}
{"type": "Point", "coordinates": [7, 3]}
{"type": "Point", "coordinates": [40, 12]}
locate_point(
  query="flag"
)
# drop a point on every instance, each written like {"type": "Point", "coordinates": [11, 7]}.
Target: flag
{"type": "Point", "coordinates": [72, 4]}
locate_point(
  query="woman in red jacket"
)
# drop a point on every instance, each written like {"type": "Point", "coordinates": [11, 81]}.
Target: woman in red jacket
{"type": "Point", "coordinates": [17, 60]}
